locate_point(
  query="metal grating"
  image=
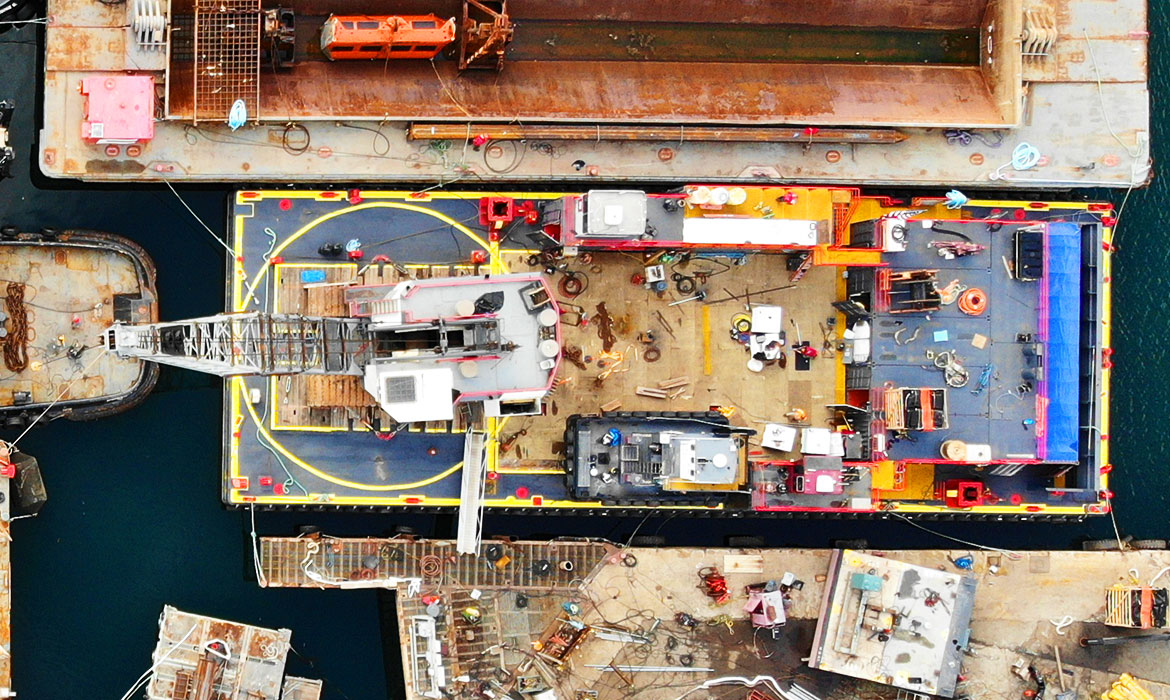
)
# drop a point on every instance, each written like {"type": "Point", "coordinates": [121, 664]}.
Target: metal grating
{"type": "Point", "coordinates": [400, 390]}
{"type": "Point", "coordinates": [537, 566]}
{"type": "Point", "coordinates": [227, 58]}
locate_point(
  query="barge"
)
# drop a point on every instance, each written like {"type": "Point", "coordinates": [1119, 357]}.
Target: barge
{"type": "Point", "coordinates": [906, 92]}
{"type": "Point", "coordinates": [203, 657]}
{"type": "Point", "coordinates": [62, 289]}
{"type": "Point", "coordinates": [713, 349]}
{"type": "Point", "coordinates": [593, 619]}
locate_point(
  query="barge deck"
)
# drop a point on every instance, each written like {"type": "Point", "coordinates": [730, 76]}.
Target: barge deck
{"type": "Point", "coordinates": [871, 93]}
{"type": "Point", "coordinates": [1028, 606]}
{"type": "Point", "coordinates": [848, 370]}
{"type": "Point", "coordinates": [63, 289]}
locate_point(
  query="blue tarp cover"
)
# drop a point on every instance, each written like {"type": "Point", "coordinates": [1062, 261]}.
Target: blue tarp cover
{"type": "Point", "coordinates": [1064, 304]}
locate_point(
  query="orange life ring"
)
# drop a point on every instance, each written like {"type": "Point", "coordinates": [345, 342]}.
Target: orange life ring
{"type": "Point", "coordinates": [973, 301]}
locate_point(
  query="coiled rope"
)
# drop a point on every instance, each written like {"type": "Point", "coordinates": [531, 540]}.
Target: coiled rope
{"type": "Point", "coordinates": [1025, 156]}
{"type": "Point", "coordinates": [973, 301]}
{"type": "Point", "coordinates": [16, 343]}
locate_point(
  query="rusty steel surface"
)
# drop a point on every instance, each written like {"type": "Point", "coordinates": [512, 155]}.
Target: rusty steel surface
{"type": "Point", "coordinates": [94, 36]}
{"type": "Point", "coordinates": [254, 669]}
{"type": "Point", "coordinates": [69, 290]}
{"type": "Point", "coordinates": [226, 58]}
{"type": "Point", "coordinates": [579, 69]}
{"type": "Point", "coordinates": [873, 13]}
{"type": "Point", "coordinates": [1019, 599]}
{"type": "Point", "coordinates": [286, 561]}
{"type": "Point", "coordinates": [484, 34]}
{"type": "Point", "coordinates": [557, 40]}
{"type": "Point", "coordinates": [565, 132]}
{"type": "Point", "coordinates": [928, 14]}
{"type": "Point", "coordinates": [616, 91]}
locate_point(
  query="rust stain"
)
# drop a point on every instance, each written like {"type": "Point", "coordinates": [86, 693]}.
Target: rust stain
{"type": "Point", "coordinates": [260, 642]}
{"type": "Point", "coordinates": [122, 167]}
{"type": "Point", "coordinates": [78, 260]}
{"type": "Point", "coordinates": [621, 90]}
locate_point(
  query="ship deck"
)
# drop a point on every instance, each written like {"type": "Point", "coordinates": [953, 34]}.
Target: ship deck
{"type": "Point", "coordinates": [984, 343]}
{"type": "Point", "coordinates": [322, 121]}
{"type": "Point", "coordinates": [322, 440]}
{"type": "Point", "coordinates": [320, 426]}
{"type": "Point", "coordinates": [688, 349]}
{"type": "Point", "coordinates": [1017, 598]}
{"type": "Point", "coordinates": [73, 289]}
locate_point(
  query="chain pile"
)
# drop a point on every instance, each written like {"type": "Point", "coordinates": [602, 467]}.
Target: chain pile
{"type": "Point", "coordinates": [16, 342]}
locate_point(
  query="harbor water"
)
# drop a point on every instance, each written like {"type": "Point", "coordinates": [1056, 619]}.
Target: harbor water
{"type": "Point", "coordinates": [134, 519]}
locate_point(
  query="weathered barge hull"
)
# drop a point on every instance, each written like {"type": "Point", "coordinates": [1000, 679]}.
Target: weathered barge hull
{"type": "Point", "coordinates": [906, 81]}
{"type": "Point", "coordinates": [83, 280]}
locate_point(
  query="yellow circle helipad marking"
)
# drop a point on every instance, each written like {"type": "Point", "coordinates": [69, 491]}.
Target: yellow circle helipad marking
{"type": "Point", "coordinates": [242, 304]}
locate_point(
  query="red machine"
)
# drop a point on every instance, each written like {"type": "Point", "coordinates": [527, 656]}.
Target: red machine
{"type": "Point", "coordinates": [346, 37]}
{"type": "Point", "coordinates": [957, 493]}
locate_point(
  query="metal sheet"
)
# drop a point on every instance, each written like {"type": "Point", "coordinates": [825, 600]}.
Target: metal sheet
{"type": "Point", "coordinates": [625, 91]}
{"type": "Point", "coordinates": [85, 48]}
{"type": "Point", "coordinates": [935, 14]}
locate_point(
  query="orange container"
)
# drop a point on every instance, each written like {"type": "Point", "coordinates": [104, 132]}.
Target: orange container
{"type": "Point", "coordinates": [347, 37]}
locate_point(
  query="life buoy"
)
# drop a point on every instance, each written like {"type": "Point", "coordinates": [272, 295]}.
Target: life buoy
{"type": "Point", "coordinates": [973, 301]}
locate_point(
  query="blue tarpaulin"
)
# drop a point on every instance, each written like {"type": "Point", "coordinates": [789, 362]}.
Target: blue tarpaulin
{"type": "Point", "coordinates": [1063, 271]}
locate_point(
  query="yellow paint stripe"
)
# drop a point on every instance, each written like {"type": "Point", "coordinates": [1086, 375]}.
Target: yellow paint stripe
{"type": "Point", "coordinates": [999, 510]}
{"type": "Point", "coordinates": [238, 273]}
{"type": "Point", "coordinates": [238, 384]}
{"type": "Point", "coordinates": [392, 501]}
{"type": "Point", "coordinates": [707, 340]}
{"type": "Point", "coordinates": [234, 451]}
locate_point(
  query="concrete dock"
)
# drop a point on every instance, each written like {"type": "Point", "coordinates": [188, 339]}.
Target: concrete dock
{"type": "Point", "coordinates": [488, 634]}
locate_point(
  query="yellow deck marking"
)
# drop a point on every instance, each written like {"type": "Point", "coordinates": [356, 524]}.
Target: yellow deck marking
{"type": "Point", "coordinates": [324, 475]}
{"type": "Point", "coordinates": [707, 340]}
{"type": "Point", "coordinates": [453, 223]}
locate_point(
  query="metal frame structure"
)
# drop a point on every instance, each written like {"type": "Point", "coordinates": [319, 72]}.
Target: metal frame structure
{"type": "Point", "coordinates": [227, 58]}
{"type": "Point", "coordinates": [470, 533]}
{"type": "Point", "coordinates": [249, 344]}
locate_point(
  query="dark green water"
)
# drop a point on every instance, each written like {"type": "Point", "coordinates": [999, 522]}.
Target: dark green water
{"type": "Point", "coordinates": [134, 519]}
